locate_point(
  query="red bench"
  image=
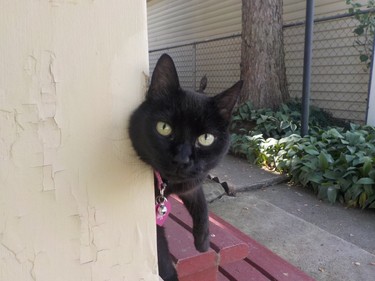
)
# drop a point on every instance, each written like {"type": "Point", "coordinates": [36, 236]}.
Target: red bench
{"type": "Point", "coordinates": [232, 255]}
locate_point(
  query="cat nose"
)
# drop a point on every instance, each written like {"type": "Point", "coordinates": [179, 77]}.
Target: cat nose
{"type": "Point", "coordinates": [183, 154]}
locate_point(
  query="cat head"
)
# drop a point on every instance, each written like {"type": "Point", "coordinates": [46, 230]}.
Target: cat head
{"type": "Point", "coordinates": [182, 134]}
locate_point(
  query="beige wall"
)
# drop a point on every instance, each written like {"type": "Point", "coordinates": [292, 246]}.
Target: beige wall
{"type": "Point", "coordinates": [75, 202]}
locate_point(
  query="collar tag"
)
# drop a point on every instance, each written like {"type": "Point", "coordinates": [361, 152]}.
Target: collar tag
{"type": "Point", "coordinates": [162, 206]}
{"type": "Point", "coordinates": [162, 211]}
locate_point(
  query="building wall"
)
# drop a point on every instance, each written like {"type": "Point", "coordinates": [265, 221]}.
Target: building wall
{"type": "Point", "coordinates": [339, 79]}
{"type": "Point", "coordinates": [172, 22]}
{"type": "Point", "coordinates": [75, 201]}
{"type": "Point", "coordinates": [295, 10]}
{"type": "Point", "coordinates": [181, 22]}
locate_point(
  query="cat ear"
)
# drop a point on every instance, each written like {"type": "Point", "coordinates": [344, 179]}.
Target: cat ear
{"type": "Point", "coordinates": [164, 78]}
{"type": "Point", "coordinates": [226, 100]}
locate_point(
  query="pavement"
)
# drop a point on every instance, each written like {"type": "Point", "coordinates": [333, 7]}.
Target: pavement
{"type": "Point", "coordinates": [328, 242]}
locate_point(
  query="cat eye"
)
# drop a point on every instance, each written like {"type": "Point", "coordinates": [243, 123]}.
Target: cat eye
{"type": "Point", "coordinates": [206, 139]}
{"type": "Point", "coordinates": [163, 129]}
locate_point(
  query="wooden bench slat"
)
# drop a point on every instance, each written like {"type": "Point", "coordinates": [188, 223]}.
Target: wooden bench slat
{"type": "Point", "coordinates": [228, 246]}
{"type": "Point", "coordinates": [209, 274]}
{"type": "Point", "coordinates": [242, 271]}
{"type": "Point", "coordinates": [221, 277]}
{"type": "Point", "coordinates": [181, 245]}
{"type": "Point", "coordinates": [264, 259]}
{"type": "Point", "coordinates": [233, 256]}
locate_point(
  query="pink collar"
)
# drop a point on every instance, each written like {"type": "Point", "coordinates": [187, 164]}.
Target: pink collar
{"type": "Point", "coordinates": [161, 185]}
{"type": "Point", "coordinates": [162, 206]}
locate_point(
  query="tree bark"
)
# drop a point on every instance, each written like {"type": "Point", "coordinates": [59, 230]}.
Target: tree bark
{"type": "Point", "coordinates": [262, 54]}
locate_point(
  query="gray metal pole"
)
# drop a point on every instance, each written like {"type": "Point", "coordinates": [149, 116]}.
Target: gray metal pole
{"type": "Point", "coordinates": [309, 26]}
{"type": "Point", "coordinates": [370, 85]}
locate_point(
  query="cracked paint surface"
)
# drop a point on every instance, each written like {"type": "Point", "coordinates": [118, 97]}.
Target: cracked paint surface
{"type": "Point", "coordinates": [76, 203]}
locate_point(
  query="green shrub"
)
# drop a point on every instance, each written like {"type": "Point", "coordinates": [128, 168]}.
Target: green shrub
{"type": "Point", "coordinates": [364, 31]}
{"type": "Point", "coordinates": [283, 122]}
{"type": "Point", "coordinates": [337, 163]}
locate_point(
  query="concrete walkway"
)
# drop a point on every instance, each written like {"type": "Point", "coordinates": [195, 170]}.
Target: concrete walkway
{"type": "Point", "coordinates": [328, 242]}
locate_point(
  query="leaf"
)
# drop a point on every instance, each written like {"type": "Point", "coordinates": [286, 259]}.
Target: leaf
{"type": "Point", "coordinates": [371, 174]}
{"type": "Point", "coordinates": [357, 190]}
{"type": "Point", "coordinates": [311, 150]}
{"type": "Point", "coordinates": [370, 200]}
{"type": "Point", "coordinates": [369, 189]}
{"type": "Point", "coordinates": [367, 167]}
{"type": "Point", "coordinates": [352, 138]}
{"type": "Point", "coordinates": [236, 118]}
{"type": "Point", "coordinates": [362, 199]}
{"type": "Point", "coordinates": [334, 133]}
{"type": "Point", "coordinates": [331, 175]}
{"type": "Point", "coordinates": [317, 178]}
{"type": "Point", "coordinates": [293, 127]}
{"type": "Point", "coordinates": [365, 181]}
{"type": "Point", "coordinates": [354, 127]}
{"type": "Point", "coordinates": [359, 30]}
{"type": "Point", "coordinates": [352, 149]}
{"type": "Point", "coordinates": [363, 58]}
{"type": "Point", "coordinates": [311, 165]}
{"type": "Point", "coordinates": [349, 158]}
{"type": "Point", "coordinates": [344, 141]}
{"type": "Point", "coordinates": [284, 125]}
{"type": "Point", "coordinates": [332, 194]}
{"type": "Point", "coordinates": [324, 160]}
{"type": "Point", "coordinates": [359, 160]}
{"type": "Point", "coordinates": [344, 184]}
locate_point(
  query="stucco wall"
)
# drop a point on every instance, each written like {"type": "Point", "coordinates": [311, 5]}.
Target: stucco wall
{"type": "Point", "coordinates": [75, 202]}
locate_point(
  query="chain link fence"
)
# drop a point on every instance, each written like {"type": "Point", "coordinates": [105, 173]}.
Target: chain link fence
{"type": "Point", "coordinates": [339, 82]}
{"type": "Point", "coordinates": [218, 59]}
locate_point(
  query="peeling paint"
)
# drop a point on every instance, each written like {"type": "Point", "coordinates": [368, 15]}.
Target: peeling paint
{"type": "Point", "coordinates": [48, 85]}
{"type": "Point", "coordinates": [72, 192]}
{"type": "Point", "coordinates": [48, 182]}
{"type": "Point", "coordinates": [30, 65]}
{"type": "Point", "coordinates": [50, 133]}
{"type": "Point", "coordinates": [7, 134]}
{"type": "Point", "coordinates": [58, 3]}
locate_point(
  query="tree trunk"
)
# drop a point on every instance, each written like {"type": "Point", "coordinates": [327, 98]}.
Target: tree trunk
{"type": "Point", "coordinates": [262, 54]}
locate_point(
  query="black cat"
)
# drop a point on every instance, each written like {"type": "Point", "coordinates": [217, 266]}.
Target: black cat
{"type": "Point", "coordinates": [182, 135]}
